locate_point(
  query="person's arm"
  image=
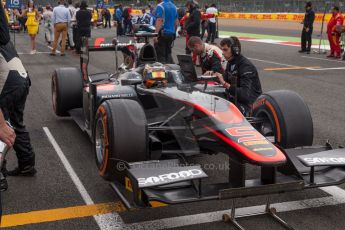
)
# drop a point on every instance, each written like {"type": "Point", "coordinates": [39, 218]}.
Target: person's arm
{"type": "Point", "coordinates": [4, 32]}
{"type": "Point", "coordinates": [77, 17]}
{"type": "Point", "coordinates": [68, 18]}
{"type": "Point", "coordinates": [7, 134]}
{"type": "Point", "coordinates": [54, 17]}
{"type": "Point", "coordinates": [312, 18]}
{"type": "Point", "coordinates": [159, 21]}
{"type": "Point", "coordinates": [309, 20]}
{"type": "Point", "coordinates": [37, 15]}
{"type": "Point", "coordinates": [177, 22]}
{"type": "Point", "coordinates": [216, 65]}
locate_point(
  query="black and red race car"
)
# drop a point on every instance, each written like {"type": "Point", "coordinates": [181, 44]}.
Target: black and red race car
{"type": "Point", "coordinates": [145, 122]}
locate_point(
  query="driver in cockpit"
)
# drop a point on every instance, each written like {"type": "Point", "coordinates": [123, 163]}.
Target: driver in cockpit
{"type": "Point", "coordinates": [155, 76]}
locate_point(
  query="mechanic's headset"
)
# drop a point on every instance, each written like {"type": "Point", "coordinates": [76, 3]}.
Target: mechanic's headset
{"type": "Point", "coordinates": [235, 49]}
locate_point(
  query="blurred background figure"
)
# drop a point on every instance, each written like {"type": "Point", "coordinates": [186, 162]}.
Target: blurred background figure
{"type": "Point", "coordinates": [48, 24]}
{"type": "Point", "coordinates": [83, 17]}
{"type": "Point", "coordinates": [212, 27]}
{"type": "Point", "coordinates": [166, 24]}
{"type": "Point", "coordinates": [192, 24]}
{"type": "Point", "coordinates": [106, 18]}
{"type": "Point", "coordinates": [72, 11]}
{"type": "Point", "coordinates": [204, 22]}
{"type": "Point", "coordinates": [32, 23]}
{"type": "Point", "coordinates": [333, 35]}
{"type": "Point", "coordinates": [119, 20]}
{"type": "Point", "coordinates": [61, 19]}
{"type": "Point", "coordinates": [307, 31]}
{"type": "Point", "coordinates": [95, 17]}
{"type": "Point", "coordinates": [74, 23]}
{"type": "Point", "coordinates": [127, 20]}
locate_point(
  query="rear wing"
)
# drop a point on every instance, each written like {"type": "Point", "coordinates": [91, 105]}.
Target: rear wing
{"type": "Point", "coordinates": [107, 44]}
{"type": "Point", "coordinates": [110, 44]}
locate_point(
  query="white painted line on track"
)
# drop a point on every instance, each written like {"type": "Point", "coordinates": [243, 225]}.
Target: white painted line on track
{"type": "Point", "coordinates": [325, 69]}
{"type": "Point", "coordinates": [34, 54]}
{"type": "Point", "coordinates": [271, 62]}
{"type": "Point", "coordinates": [324, 59]}
{"type": "Point", "coordinates": [105, 222]}
{"type": "Point", "coordinates": [338, 197]}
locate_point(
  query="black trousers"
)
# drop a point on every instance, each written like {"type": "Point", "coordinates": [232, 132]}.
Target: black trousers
{"type": "Point", "coordinates": [80, 33]}
{"type": "Point", "coordinates": [107, 22]}
{"type": "Point", "coordinates": [75, 35]}
{"type": "Point", "coordinates": [163, 48]}
{"type": "Point", "coordinates": [12, 103]}
{"type": "Point", "coordinates": [211, 32]}
{"type": "Point", "coordinates": [127, 24]}
{"type": "Point", "coordinates": [306, 39]}
{"type": "Point", "coordinates": [119, 29]}
{"type": "Point", "coordinates": [204, 26]}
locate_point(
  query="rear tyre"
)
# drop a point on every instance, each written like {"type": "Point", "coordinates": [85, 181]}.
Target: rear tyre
{"type": "Point", "coordinates": [67, 90]}
{"type": "Point", "coordinates": [287, 118]}
{"type": "Point", "coordinates": [120, 137]}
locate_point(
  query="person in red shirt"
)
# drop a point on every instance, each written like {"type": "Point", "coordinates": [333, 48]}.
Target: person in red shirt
{"type": "Point", "coordinates": [333, 35]}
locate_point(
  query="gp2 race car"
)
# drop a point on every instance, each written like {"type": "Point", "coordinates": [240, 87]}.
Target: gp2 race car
{"type": "Point", "coordinates": [147, 121]}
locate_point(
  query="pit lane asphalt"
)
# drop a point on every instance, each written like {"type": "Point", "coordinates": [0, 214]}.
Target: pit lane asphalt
{"type": "Point", "coordinates": [52, 188]}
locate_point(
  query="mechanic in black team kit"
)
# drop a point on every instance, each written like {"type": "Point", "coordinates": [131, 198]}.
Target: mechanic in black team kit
{"type": "Point", "coordinates": [166, 25]}
{"type": "Point", "coordinates": [14, 88]}
{"type": "Point", "coordinates": [240, 77]}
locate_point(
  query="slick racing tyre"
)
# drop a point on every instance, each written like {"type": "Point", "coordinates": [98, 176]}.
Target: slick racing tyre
{"type": "Point", "coordinates": [120, 137]}
{"type": "Point", "coordinates": [67, 90]}
{"type": "Point", "coordinates": [287, 120]}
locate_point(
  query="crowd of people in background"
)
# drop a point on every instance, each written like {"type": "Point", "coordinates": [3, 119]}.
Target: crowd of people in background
{"type": "Point", "coordinates": [193, 21]}
{"type": "Point", "coordinates": [335, 28]}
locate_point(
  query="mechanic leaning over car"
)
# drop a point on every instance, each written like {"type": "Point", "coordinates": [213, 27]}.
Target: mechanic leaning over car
{"type": "Point", "coordinates": [14, 88]}
{"type": "Point", "coordinates": [211, 57]}
{"type": "Point", "coordinates": [166, 24]}
{"type": "Point", "coordinates": [240, 78]}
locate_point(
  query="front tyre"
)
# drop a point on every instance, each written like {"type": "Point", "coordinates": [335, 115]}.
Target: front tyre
{"type": "Point", "coordinates": [120, 137]}
{"type": "Point", "coordinates": [287, 119]}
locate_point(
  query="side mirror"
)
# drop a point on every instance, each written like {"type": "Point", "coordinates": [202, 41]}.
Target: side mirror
{"type": "Point", "coordinates": [131, 81]}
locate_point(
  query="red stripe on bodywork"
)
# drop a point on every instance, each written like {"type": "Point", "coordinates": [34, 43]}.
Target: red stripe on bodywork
{"type": "Point", "coordinates": [279, 157]}
{"type": "Point", "coordinates": [231, 116]}
{"type": "Point", "coordinates": [98, 42]}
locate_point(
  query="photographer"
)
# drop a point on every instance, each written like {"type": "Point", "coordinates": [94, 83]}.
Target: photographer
{"type": "Point", "coordinates": [14, 88]}
{"type": "Point", "coordinates": [166, 25]}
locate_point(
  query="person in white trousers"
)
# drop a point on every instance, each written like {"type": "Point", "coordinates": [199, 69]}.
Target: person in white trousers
{"type": "Point", "coordinates": [72, 11]}
{"type": "Point", "coordinates": [48, 24]}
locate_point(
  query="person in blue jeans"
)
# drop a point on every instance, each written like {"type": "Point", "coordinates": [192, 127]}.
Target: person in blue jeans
{"type": "Point", "coordinates": [119, 19]}
{"type": "Point", "coordinates": [166, 24]}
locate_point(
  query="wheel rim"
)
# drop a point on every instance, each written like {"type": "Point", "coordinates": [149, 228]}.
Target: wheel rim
{"type": "Point", "coordinates": [54, 96]}
{"type": "Point", "coordinates": [267, 128]}
{"type": "Point", "coordinates": [100, 141]}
